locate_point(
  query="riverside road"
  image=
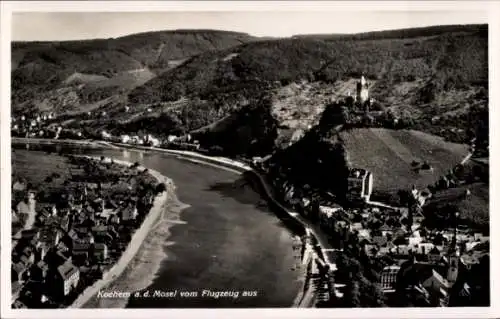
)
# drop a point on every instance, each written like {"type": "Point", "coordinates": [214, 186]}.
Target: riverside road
{"type": "Point", "coordinates": [230, 241]}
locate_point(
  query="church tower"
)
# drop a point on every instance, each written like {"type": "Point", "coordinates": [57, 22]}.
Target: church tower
{"type": "Point", "coordinates": [453, 257]}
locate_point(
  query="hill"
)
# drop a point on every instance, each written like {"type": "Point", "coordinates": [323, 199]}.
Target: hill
{"type": "Point", "coordinates": [398, 33]}
{"type": "Point", "coordinates": [448, 60]}
{"type": "Point", "coordinates": [44, 67]}
{"type": "Point", "coordinates": [432, 76]}
{"type": "Point", "coordinates": [434, 72]}
{"type": "Point", "coordinates": [389, 155]}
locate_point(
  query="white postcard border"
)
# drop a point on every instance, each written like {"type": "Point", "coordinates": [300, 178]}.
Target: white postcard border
{"type": "Point", "coordinates": [7, 7]}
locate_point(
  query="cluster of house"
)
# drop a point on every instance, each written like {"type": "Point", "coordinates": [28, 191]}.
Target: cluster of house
{"type": "Point", "coordinates": [385, 233]}
{"type": "Point", "coordinates": [72, 243]}
{"type": "Point", "coordinates": [185, 142]}
{"type": "Point", "coordinates": [389, 232]}
{"type": "Point", "coordinates": [39, 125]}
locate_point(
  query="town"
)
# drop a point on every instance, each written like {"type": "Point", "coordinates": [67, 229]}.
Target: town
{"type": "Point", "coordinates": [400, 256]}
{"type": "Point", "coordinates": [379, 254]}
{"type": "Point", "coordinates": [74, 231]}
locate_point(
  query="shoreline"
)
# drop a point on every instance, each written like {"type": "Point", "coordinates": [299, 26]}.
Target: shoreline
{"type": "Point", "coordinates": [221, 163]}
{"type": "Point", "coordinates": [138, 238]}
{"type": "Point", "coordinates": [143, 269]}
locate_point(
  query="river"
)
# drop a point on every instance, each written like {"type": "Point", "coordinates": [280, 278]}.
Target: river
{"type": "Point", "coordinates": [229, 239]}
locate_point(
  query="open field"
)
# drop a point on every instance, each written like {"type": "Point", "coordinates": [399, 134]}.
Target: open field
{"type": "Point", "coordinates": [35, 167]}
{"type": "Point", "coordinates": [388, 154]}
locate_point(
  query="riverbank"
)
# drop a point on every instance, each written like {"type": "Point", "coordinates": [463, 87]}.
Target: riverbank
{"type": "Point", "coordinates": [42, 141]}
{"type": "Point", "coordinates": [306, 296]}
{"type": "Point", "coordinates": [156, 212]}
{"type": "Point", "coordinates": [235, 167]}
{"type": "Point", "coordinates": [143, 269]}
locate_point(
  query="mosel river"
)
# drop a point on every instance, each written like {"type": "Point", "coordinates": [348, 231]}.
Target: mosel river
{"type": "Point", "coordinates": [229, 241]}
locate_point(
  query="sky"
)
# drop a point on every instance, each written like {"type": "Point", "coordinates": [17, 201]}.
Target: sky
{"type": "Point", "coordinates": [44, 26]}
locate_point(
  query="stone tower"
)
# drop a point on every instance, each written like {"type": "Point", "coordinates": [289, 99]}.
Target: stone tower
{"type": "Point", "coordinates": [362, 90]}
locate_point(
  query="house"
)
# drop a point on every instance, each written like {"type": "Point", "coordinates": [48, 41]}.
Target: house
{"type": "Point", "coordinates": [356, 226]}
{"type": "Point", "coordinates": [341, 223]}
{"type": "Point", "coordinates": [124, 139]}
{"type": "Point", "coordinates": [385, 249]}
{"type": "Point", "coordinates": [64, 223]}
{"type": "Point", "coordinates": [29, 234]}
{"type": "Point", "coordinates": [88, 222]}
{"type": "Point", "coordinates": [128, 213]}
{"type": "Point", "coordinates": [425, 248]}
{"type": "Point", "coordinates": [385, 229]}
{"type": "Point", "coordinates": [18, 272]}
{"type": "Point", "coordinates": [388, 277]}
{"type": "Point", "coordinates": [100, 251]}
{"type": "Point", "coordinates": [23, 208]}
{"type": "Point", "coordinates": [112, 232]}
{"type": "Point", "coordinates": [415, 239]}
{"type": "Point", "coordinates": [418, 217]}
{"type": "Point", "coordinates": [67, 277]}
{"type": "Point", "coordinates": [371, 250]}
{"type": "Point", "coordinates": [62, 247]}
{"type": "Point", "coordinates": [17, 287]}
{"type": "Point", "coordinates": [79, 238]}
{"type": "Point", "coordinates": [436, 284]}
{"type": "Point", "coordinates": [39, 271]}
{"type": "Point", "coordinates": [480, 237]}
{"type": "Point", "coordinates": [363, 234]}
{"type": "Point", "coordinates": [81, 248]}
{"type": "Point", "coordinates": [114, 219]}
{"type": "Point", "coordinates": [101, 233]}
{"type": "Point", "coordinates": [360, 185]}
{"type": "Point", "coordinates": [27, 256]}
{"type": "Point", "coordinates": [380, 241]}
{"type": "Point", "coordinates": [462, 237]}
{"type": "Point", "coordinates": [42, 249]}
{"type": "Point", "coordinates": [403, 250]}
{"type": "Point", "coordinates": [50, 236]}
{"type": "Point", "coordinates": [18, 186]}
{"type": "Point", "coordinates": [470, 245]}
{"type": "Point", "coordinates": [171, 138]}
{"type": "Point", "coordinates": [42, 216]}
{"type": "Point", "coordinates": [434, 255]}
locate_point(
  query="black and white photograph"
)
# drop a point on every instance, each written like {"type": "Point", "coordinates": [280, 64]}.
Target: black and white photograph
{"type": "Point", "coordinates": [335, 158]}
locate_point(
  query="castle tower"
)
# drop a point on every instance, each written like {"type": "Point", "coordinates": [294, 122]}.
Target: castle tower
{"type": "Point", "coordinates": [362, 90]}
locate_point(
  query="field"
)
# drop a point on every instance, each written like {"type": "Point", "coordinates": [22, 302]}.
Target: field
{"type": "Point", "coordinates": [474, 209]}
{"type": "Point", "coordinates": [388, 154]}
{"type": "Point", "coordinates": [35, 167]}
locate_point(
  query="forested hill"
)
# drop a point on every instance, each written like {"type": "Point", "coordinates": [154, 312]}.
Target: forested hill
{"type": "Point", "coordinates": [400, 33]}
{"type": "Point", "coordinates": [199, 79]}
{"type": "Point", "coordinates": [43, 67]}
{"type": "Point", "coordinates": [450, 59]}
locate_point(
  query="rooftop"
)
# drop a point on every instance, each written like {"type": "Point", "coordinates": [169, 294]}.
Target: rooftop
{"type": "Point", "coordinates": [357, 172]}
{"type": "Point", "coordinates": [67, 269]}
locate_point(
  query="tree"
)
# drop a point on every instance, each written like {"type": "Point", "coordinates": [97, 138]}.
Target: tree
{"type": "Point", "coordinates": [160, 188]}
{"type": "Point", "coordinates": [352, 296]}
